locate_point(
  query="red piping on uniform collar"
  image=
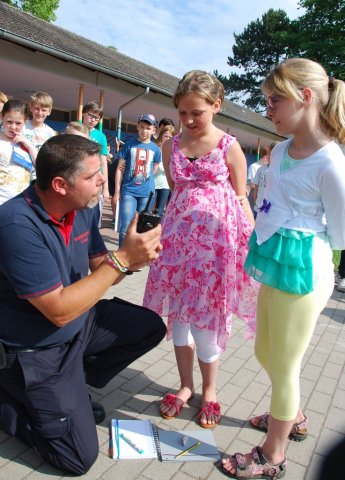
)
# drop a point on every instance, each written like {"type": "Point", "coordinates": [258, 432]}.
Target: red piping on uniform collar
{"type": "Point", "coordinates": [65, 226]}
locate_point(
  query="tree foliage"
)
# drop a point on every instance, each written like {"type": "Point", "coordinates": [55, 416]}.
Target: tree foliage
{"type": "Point", "coordinates": [44, 9]}
{"type": "Point", "coordinates": [262, 45]}
{"type": "Point", "coordinates": [321, 34]}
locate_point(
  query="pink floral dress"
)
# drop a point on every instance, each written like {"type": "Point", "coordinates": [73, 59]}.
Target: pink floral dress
{"type": "Point", "coordinates": [199, 276]}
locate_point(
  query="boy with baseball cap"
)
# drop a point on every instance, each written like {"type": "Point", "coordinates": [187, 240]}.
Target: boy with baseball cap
{"type": "Point", "coordinates": [139, 160]}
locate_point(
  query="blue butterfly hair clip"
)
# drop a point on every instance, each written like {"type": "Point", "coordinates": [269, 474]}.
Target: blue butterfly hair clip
{"type": "Point", "coordinates": [265, 206]}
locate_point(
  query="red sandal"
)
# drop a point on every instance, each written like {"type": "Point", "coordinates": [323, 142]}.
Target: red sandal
{"type": "Point", "coordinates": [170, 400]}
{"type": "Point", "coordinates": [211, 408]}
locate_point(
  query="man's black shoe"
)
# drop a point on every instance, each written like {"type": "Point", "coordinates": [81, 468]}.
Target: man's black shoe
{"type": "Point", "coordinates": [98, 412]}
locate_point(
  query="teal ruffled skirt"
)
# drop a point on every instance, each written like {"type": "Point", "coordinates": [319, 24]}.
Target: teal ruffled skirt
{"type": "Point", "coordinates": [284, 261]}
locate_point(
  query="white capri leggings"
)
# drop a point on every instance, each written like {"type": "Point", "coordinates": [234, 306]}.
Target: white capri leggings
{"type": "Point", "coordinates": [205, 341]}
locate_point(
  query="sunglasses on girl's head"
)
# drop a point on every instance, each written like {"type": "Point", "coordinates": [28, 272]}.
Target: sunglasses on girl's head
{"type": "Point", "coordinates": [271, 101]}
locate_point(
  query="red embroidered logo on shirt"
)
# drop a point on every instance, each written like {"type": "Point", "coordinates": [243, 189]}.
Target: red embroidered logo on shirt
{"type": "Point", "coordinates": [83, 237]}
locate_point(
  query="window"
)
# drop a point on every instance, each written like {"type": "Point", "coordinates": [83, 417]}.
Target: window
{"type": "Point", "coordinates": [59, 116]}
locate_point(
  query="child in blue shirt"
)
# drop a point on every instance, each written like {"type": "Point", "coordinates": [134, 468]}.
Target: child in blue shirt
{"type": "Point", "coordinates": [92, 116]}
{"type": "Point", "coordinates": [134, 181]}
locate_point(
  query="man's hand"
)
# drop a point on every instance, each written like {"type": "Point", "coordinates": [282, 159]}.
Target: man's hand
{"type": "Point", "coordinates": [138, 249]}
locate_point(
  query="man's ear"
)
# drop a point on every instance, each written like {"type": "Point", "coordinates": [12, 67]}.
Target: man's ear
{"type": "Point", "coordinates": [59, 185]}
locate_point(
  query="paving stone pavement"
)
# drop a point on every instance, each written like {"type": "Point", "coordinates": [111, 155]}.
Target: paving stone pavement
{"type": "Point", "coordinates": [243, 391]}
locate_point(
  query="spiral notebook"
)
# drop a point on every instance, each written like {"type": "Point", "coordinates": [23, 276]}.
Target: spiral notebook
{"type": "Point", "coordinates": [134, 439]}
{"type": "Point", "coordinates": [187, 446]}
{"type": "Point", "coordinates": [139, 439]}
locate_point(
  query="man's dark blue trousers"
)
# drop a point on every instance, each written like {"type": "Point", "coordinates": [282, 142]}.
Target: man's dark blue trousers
{"type": "Point", "coordinates": [44, 399]}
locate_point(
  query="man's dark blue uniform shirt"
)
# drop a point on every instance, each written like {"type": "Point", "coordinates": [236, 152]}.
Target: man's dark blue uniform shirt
{"type": "Point", "coordinates": [37, 255]}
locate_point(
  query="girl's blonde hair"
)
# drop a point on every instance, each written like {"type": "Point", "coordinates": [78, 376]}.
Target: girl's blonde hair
{"type": "Point", "coordinates": [77, 127]}
{"type": "Point", "coordinates": [3, 97]}
{"type": "Point", "coordinates": [201, 83]}
{"type": "Point", "coordinates": [42, 99]}
{"type": "Point", "coordinates": [291, 76]}
{"type": "Point", "coordinates": [166, 128]}
{"type": "Point", "coordinates": [265, 151]}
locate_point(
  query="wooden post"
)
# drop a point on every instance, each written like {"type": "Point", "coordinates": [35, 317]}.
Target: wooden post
{"type": "Point", "coordinates": [101, 102]}
{"type": "Point", "coordinates": [80, 103]}
{"type": "Point", "coordinates": [258, 150]}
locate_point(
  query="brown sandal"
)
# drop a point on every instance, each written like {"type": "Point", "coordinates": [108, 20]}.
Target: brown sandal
{"type": "Point", "coordinates": [298, 433]}
{"type": "Point", "coordinates": [259, 468]}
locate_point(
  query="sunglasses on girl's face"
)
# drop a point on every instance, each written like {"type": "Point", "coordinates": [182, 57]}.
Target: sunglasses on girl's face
{"type": "Point", "coordinates": [272, 100]}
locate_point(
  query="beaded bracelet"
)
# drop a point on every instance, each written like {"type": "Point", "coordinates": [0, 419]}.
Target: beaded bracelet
{"type": "Point", "coordinates": [123, 267]}
{"type": "Point", "coordinates": [114, 262]}
{"type": "Point", "coordinates": [116, 259]}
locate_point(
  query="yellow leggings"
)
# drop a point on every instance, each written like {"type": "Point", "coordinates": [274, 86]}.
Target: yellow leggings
{"type": "Point", "coordinates": [285, 324]}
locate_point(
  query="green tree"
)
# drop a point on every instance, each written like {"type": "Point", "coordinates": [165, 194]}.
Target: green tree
{"type": "Point", "coordinates": [262, 45]}
{"type": "Point", "coordinates": [44, 9]}
{"type": "Point", "coordinates": [321, 34]}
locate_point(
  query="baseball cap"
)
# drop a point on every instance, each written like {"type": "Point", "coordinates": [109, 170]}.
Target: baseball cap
{"type": "Point", "coordinates": [147, 117]}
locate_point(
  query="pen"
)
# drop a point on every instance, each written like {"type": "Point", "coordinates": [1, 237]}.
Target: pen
{"type": "Point", "coordinates": [131, 444]}
{"type": "Point", "coordinates": [117, 438]}
{"type": "Point", "coordinates": [188, 449]}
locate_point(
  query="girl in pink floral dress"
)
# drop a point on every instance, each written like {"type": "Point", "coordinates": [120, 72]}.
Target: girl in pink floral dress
{"type": "Point", "coordinates": [198, 281]}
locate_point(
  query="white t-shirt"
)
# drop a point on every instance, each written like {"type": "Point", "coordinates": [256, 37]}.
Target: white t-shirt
{"type": "Point", "coordinates": [260, 181]}
{"type": "Point", "coordinates": [253, 168]}
{"type": "Point", "coordinates": [14, 178]}
{"type": "Point", "coordinates": [37, 135]}
{"type": "Point", "coordinates": [160, 178]}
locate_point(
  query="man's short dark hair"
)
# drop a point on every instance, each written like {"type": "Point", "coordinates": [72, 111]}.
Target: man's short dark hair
{"type": "Point", "coordinates": [63, 156]}
{"type": "Point", "coordinates": [166, 121]}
